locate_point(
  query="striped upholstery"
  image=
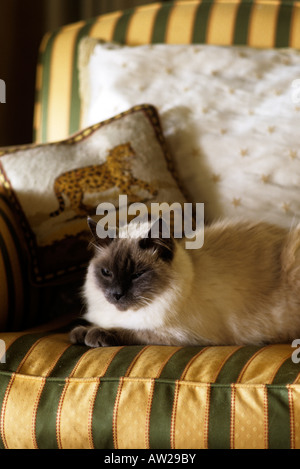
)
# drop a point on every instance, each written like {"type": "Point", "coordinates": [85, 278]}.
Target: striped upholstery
{"type": "Point", "coordinates": [257, 23]}
{"type": "Point", "coordinates": [146, 397]}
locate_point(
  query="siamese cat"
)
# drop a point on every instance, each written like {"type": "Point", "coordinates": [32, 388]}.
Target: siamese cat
{"type": "Point", "coordinates": [242, 287]}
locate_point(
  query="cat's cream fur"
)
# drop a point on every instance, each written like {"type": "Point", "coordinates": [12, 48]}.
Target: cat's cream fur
{"type": "Point", "coordinates": [241, 287]}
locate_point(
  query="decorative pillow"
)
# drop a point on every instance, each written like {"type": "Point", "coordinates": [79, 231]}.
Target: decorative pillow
{"type": "Point", "coordinates": [53, 187]}
{"type": "Point", "coordinates": [230, 116]}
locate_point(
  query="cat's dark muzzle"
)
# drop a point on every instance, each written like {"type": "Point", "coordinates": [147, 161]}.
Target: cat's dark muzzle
{"type": "Point", "coordinates": [118, 300]}
{"type": "Point", "coordinates": [122, 302]}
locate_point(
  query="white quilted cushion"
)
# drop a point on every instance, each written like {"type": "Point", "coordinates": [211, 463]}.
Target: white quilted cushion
{"type": "Point", "coordinates": [230, 116]}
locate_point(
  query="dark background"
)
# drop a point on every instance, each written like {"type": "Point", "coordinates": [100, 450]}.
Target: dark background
{"type": "Point", "coordinates": [22, 26]}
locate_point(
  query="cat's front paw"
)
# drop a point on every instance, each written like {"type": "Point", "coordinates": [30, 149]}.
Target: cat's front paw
{"type": "Point", "coordinates": [93, 337]}
{"type": "Point", "coordinates": [97, 337]}
{"type": "Point", "coordinates": [77, 335]}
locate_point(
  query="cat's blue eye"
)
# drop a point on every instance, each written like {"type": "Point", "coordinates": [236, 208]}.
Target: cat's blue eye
{"type": "Point", "coordinates": [106, 272]}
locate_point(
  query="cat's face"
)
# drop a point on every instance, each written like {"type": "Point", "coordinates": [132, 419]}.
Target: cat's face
{"type": "Point", "coordinates": [132, 272]}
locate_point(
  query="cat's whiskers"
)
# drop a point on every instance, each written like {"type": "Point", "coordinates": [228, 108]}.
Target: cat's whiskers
{"type": "Point", "coordinates": [145, 301]}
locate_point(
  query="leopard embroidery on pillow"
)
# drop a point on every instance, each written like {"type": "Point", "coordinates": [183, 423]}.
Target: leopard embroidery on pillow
{"type": "Point", "coordinates": [114, 172]}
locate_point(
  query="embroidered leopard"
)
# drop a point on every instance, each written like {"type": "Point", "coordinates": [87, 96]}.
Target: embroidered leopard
{"type": "Point", "coordinates": [114, 172]}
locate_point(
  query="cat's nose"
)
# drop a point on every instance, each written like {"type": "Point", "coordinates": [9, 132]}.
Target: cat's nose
{"type": "Point", "coordinates": [118, 296]}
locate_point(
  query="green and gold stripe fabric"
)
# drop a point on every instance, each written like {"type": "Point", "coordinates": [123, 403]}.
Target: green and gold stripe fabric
{"type": "Point", "coordinates": [256, 23]}
{"type": "Point", "coordinates": [146, 397]}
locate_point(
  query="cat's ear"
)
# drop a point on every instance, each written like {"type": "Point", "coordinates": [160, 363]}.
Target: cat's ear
{"type": "Point", "coordinates": [97, 240]}
{"type": "Point", "coordinates": [92, 226]}
{"type": "Point", "coordinates": [160, 240]}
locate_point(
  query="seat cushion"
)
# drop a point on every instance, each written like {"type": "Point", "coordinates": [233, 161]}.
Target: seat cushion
{"type": "Point", "coordinates": [57, 395]}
